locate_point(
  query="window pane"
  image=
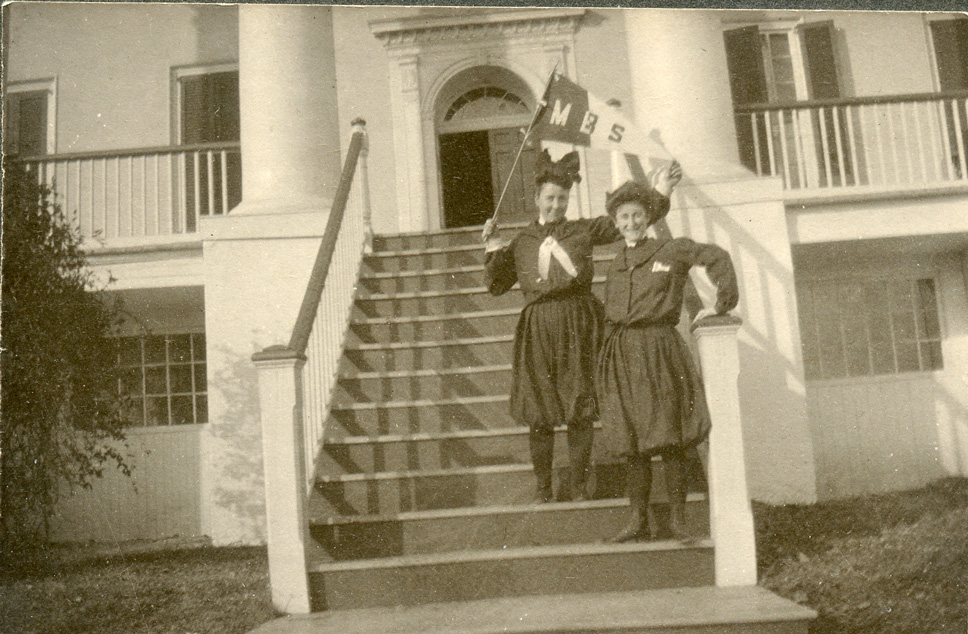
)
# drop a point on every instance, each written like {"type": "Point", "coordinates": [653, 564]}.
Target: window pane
{"type": "Point", "coordinates": [133, 411]}
{"type": "Point", "coordinates": [181, 410]}
{"type": "Point", "coordinates": [928, 310]}
{"type": "Point", "coordinates": [931, 355]}
{"type": "Point", "coordinates": [200, 378]}
{"type": "Point", "coordinates": [907, 357]}
{"type": "Point", "coordinates": [130, 351]}
{"type": "Point", "coordinates": [179, 349]}
{"type": "Point", "coordinates": [157, 407]}
{"type": "Point", "coordinates": [131, 382]}
{"type": "Point", "coordinates": [155, 349]}
{"type": "Point", "coordinates": [181, 379]}
{"type": "Point", "coordinates": [198, 347]}
{"type": "Point", "coordinates": [201, 409]}
{"type": "Point", "coordinates": [155, 380]}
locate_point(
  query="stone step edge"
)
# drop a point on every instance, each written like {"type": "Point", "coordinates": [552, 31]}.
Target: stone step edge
{"type": "Point", "coordinates": [634, 611]}
{"type": "Point", "coordinates": [363, 296]}
{"type": "Point", "coordinates": [518, 430]}
{"type": "Point", "coordinates": [405, 374]}
{"type": "Point", "coordinates": [446, 231]}
{"type": "Point", "coordinates": [492, 469]}
{"type": "Point", "coordinates": [403, 345]}
{"type": "Point", "coordinates": [460, 400]}
{"type": "Point", "coordinates": [497, 554]}
{"type": "Point", "coordinates": [476, 511]}
{"type": "Point", "coordinates": [469, 268]}
{"type": "Point", "coordinates": [406, 319]}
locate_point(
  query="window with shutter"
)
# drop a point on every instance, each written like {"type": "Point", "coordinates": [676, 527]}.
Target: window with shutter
{"type": "Point", "coordinates": [780, 63]}
{"type": "Point", "coordinates": [951, 52]}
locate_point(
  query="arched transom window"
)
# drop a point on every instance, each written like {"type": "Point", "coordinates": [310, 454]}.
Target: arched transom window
{"type": "Point", "coordinates": [485, 102]}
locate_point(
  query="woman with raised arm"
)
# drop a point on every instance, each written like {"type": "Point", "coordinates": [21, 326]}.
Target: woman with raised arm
{"type": "Point", "coordinates": [649, 390]}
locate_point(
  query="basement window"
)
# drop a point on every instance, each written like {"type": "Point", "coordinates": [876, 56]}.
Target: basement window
{"type": "Point", "coordinates": [869, 328]}
{"type": "Point", "coordinates": [163, 378]}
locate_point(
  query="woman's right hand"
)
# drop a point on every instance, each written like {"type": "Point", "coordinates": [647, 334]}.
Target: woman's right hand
{"type": "Point", "coordinates": [490, 228]}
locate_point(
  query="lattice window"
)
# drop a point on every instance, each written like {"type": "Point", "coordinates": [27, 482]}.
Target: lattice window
{"type": "Point", "coordinates": [484, 102]}
{"type": "Point", "coordinates": [164, 378]}
{"type": "Point", "coordinates": [869, 328]}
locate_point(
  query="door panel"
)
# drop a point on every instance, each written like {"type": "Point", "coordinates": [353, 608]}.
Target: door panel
{"type": "Point", "coordinates": [517, 205]}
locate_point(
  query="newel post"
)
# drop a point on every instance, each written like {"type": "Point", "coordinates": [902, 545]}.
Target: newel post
{"type": "Point", "coordinates": [363, 182]}
{"type": "Point", "coordinates": [730, 512]}
{"type": "Point", "coordinates": [280, 402]}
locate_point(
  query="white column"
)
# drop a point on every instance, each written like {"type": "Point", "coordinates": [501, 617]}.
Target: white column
{"type": "Point", "coordinates": [730, 512]}
{"type": "Point", "coordinates": [287, 91]}
{"type": "Point", "coordinates": [680, 87]}
{"type": "Point", "coordinates": [280, 399]}
{"type": "Point", "coordinates": [408, 144]}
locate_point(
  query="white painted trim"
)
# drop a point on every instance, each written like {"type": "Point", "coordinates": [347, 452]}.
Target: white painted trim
{"type": "Point", "coordinates": [48, 85]}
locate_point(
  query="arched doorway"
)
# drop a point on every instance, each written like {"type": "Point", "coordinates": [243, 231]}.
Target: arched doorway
{"type": "Point", "coordinates": [481, 118]}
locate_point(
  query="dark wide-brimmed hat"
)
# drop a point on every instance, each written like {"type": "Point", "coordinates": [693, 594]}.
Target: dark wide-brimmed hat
{"type": "Point", "coordinates": [637, 192]}
{"type": "Point", "coordinates": [563, 173]}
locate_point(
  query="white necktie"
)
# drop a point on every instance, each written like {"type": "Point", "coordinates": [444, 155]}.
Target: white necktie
{"type": "Point", "coordinates": [549, 248]}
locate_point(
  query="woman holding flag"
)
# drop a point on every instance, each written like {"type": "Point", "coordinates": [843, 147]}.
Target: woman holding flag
{"type": "Point", "coordinates": [558, 334]}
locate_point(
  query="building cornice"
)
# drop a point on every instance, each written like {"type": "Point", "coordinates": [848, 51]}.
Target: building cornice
{"type": "Point", "coordinates": [475, 26]}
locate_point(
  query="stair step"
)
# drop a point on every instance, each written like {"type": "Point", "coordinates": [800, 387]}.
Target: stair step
{"type": "Point", "coordinates": [391, 492]}
{"type": "Point", "coordinates": [444, 450]}
{"type": "Point", "coordinates": [423, 280]}
{"type": "Point", "coordinates": [422, 416]}
{"type": "Point", "coordinates": [362, 387]}
{"type": "Point", "coordinates": [435, 239]}
{"type": "Point", "coordinates": [450, 530]}
{"type": "Point", "coordinates": [426, 355]}
{"type": "Point", "coordinates": [697, 610]}
{"type": "Point", "coordinates": [470, 575]}
{"type": "Point", "coordinates": [449, 326]}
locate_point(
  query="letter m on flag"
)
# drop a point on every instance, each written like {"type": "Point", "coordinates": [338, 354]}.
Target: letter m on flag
{"type": "Point", "coordinates": [564, 113]}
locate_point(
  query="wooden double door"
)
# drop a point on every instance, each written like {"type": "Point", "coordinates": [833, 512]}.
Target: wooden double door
{"type": "Point", "coordinates": [474, 167]}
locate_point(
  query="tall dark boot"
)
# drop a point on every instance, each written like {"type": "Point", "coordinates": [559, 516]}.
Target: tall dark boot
{"type": "Point", "coordinates": [542, 454]}
{"type": "Point", "coordinates": [639, 487]}
{"type": "Point", "coordinates": [580, 437]}
{"type": "Point", "coordinates": [675, 472]}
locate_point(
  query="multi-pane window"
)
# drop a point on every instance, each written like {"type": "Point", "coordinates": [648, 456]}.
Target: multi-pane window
{"type": "Point", "coordinates": [163, 377]}
{"type": "Point", "coordinates": [876, 327]}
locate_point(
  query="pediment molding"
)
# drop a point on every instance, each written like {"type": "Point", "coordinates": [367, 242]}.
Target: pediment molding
{"type": "Point", "coordinates": [478, 26]}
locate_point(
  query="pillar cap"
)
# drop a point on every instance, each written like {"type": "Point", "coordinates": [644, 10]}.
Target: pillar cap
{"type": "Point", "coordinates": [716, 321]}
{"type": "Point", "coordinates": [277, 353]}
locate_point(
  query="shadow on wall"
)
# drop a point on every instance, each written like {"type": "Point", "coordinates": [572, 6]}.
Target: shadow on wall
{"type": "Point", "coordinates": [238, 487]}
{"type": "Point", "coordinates": [771, 382]}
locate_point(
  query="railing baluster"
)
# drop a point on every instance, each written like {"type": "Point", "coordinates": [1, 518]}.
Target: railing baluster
{"type": "Point", "coordinates": [144, 196]}
{"type": "Point", "coordinates": [919, 139]}
{"type": "Point", "coordinates": [158, 194]}
{"type": "Point", "coordinates": [104, 196]}
{"type": "Point", "coordinates": [904, 139]}
{"type": "Point", "coordinates": [960, 137]}
{"type": "Point", "coordinates": [852, 145]}
{"type": "Point", "coordinates": [756, 144]}
{"type": "Point", "coordinates": [117, 197]}
{"type": "Point", "coordinates": [838, 144]}
{"type": "Point", "coordinates": [223, 166]}
{"type": "Point", "coordinates": [892, 136]}
{"type": "Point", "coordinates": [825, 146]}
{"type": "Point", "coordinates": [878, 128]}
{"type": "Point", "coordinates": [934, 130]}
{"type": "Point", "coordinates": [771, 151]}
{"type": "Point", "coordinates": [784, 152]}
{"type": "Point", "coordinates": [130, 196]}
{"type": "Point", "coordinates": [802, 165]}
{"type": "Point", "coordinates": [210, 170]}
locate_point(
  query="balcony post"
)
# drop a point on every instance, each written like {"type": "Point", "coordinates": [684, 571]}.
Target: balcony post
{"type": "Point", "coordinates": [280, 403]}
{"type": "Point", "coordinates": [730, 513]}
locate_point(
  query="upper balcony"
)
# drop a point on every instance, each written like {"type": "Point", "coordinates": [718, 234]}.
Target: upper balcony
{"type": "Point", "coordinates": [855, 149]}
{"type": "Point", "coordinates": [145, 196]}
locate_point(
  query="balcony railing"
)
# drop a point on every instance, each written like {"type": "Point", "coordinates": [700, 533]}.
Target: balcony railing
{"type": "Point", "coordinates": [899, 143]}
{"type": "Point", "coordinates": [145, 192]}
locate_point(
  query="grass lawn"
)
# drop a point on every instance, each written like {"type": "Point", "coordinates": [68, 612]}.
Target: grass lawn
{"type": "Point", "coordinates": [886, 564]}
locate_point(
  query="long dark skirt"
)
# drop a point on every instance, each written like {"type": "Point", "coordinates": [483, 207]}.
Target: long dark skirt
{"type": "Point", "coordinates": [650, 393]}
{"type": "Point", "coordinates": [555, 347]}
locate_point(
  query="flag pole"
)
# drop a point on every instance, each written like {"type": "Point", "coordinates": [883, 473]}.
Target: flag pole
{"type": "Point", "coordinates": [534, 119]}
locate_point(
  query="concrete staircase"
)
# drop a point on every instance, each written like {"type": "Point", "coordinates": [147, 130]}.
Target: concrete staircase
{"type": "Point", "coordinates": [422, 488]}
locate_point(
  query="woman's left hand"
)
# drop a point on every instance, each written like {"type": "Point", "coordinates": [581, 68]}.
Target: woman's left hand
{"type": "Point", "coordinates": [666, 179]}
{"type": "Point", "coordinates": [705, 312]}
